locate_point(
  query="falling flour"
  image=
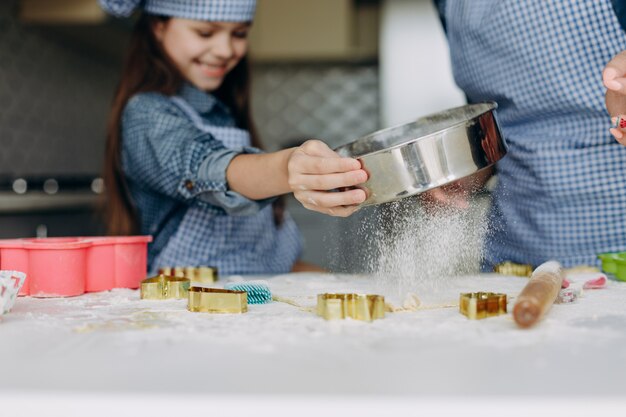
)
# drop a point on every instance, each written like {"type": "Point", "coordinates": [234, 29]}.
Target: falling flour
{"type": "Point", "coordinates": [411, 249]}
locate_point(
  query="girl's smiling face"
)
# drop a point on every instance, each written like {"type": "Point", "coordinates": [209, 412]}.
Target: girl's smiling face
{"type": "Point", "coordinates": [204, 52]}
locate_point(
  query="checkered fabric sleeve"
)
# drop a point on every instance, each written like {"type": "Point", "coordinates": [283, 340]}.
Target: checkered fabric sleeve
{"type": "Point", "coordinates": [163, 151]}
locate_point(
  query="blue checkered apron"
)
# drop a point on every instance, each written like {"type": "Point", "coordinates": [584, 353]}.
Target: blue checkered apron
{"type": "Point", "coordinates": [561, 191]}
{"type": "Point", "coordinates": [234, 244]}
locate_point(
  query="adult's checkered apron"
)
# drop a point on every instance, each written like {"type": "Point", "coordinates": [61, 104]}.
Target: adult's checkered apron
{"type": "Point", "coordinates": [561, 191]}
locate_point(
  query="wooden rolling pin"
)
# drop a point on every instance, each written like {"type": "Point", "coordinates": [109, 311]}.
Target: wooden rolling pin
{"type": "Point", "coordinates": [539, 294]}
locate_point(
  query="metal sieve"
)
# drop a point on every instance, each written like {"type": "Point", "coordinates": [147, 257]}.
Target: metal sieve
{"type": "Point", "coordinates": [433, 151]}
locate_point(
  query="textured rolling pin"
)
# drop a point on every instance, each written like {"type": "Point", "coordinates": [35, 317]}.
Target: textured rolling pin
{"type": "Point", "coordinates": [539, 294]}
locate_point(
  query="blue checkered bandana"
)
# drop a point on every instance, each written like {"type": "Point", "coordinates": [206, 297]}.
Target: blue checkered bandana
{"type": "Point", "coordinates": [208, 10]}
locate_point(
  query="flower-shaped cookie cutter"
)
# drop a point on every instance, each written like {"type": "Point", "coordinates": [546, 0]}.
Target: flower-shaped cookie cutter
{"type": "Point", "coordinates": [365, 307]}
{"type": "Point", "coordinates": [480, 305]}
{"type": "Point", "coordinates": [10, 284]}
{"type": "Point", "coordinates": [214, 300]}
{"type": "Point", "coordinates": [163, 287]}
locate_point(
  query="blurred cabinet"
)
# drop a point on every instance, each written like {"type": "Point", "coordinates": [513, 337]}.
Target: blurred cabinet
{"type": "Point", "coordinates": [283, 30]}
{"type": "Point", "coordinates": [60, 11]}
{"type": "Point", "coordinates": [307, 30]}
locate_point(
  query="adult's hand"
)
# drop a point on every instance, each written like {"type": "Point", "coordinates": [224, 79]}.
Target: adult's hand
{"type": "Point", "coordinates": [614, 79]}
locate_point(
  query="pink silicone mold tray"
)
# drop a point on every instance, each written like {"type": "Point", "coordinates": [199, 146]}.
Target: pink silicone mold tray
{"type": "Point", "coordinates": [68, 266]}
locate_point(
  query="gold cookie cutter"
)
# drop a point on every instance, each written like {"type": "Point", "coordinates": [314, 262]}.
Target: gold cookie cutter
{"type": "Point", "coordinates": [364, 307]}
{"type": "Point", "coordinates": [480, 305]}
{"type": "Point", "coordinates": [203, 274]}
{"type": "Point", "coordinates": [164, 287]}
{"type": "Point", "coordinates": [511, 268]}
{"type": "Point", "coordinates": [214, 300]}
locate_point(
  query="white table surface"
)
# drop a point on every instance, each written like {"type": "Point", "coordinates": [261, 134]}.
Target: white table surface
{"type": "Point", "coordinates": [113, 345]}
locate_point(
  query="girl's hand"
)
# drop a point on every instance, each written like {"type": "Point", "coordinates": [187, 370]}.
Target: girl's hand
{"type": "Point", "coordinates": [314, 170]}
{"type": "Point", "coordinates": [614, 79]}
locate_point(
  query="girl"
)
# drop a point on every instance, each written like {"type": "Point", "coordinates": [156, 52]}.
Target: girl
{"type": "Point", "coordinates": [183, 161]}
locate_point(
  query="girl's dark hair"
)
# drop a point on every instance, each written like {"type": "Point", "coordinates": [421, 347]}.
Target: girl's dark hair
{"type": "Point", "coordinates": [147, 68]}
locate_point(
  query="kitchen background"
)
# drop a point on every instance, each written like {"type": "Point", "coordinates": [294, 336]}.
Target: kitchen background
{"type": "Point", "coordinates": [328, 69]}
